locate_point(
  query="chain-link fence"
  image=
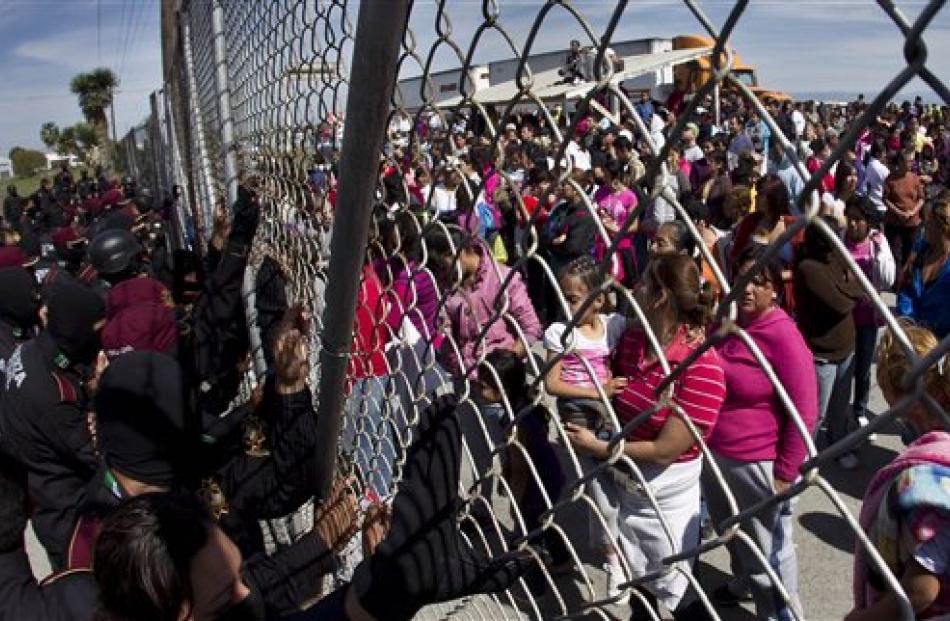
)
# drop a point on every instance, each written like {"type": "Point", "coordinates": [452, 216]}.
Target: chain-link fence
{"type": "Point", "coordinates": [479, 192]}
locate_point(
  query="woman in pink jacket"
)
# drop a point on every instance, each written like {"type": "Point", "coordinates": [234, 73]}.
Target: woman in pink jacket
{"type": "Point", "coordinates": [487, 305]}
{"type": "Point", "coordinates": [756, 443]}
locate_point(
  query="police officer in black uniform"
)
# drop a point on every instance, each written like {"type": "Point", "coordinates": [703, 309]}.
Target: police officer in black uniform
{"type": "Point", "coordinates": [64, 596]}
{"type": "Point", "coordinates": [12, 206]}
{"type": "Point", "coordinates": [115, 254]}
{"type": "Point", "coordinates": [19, 304]}
{"type": "Point", "coordinates": [44, 421]}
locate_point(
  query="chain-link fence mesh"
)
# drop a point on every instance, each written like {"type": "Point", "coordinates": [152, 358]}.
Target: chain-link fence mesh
{"type": "Point", "coordinates": [464, 258]}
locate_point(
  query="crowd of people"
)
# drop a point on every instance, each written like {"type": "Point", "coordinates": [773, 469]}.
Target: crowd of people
{"type": "Point", "coordinates": [538, 243]}
{"type": "Point", "coordinates": [144, 482]}
{"type": "Point", "coordinates": [550, 287]}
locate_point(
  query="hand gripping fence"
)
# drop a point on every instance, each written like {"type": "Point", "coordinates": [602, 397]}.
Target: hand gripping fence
{"type": "Point", "coordinates": [262, 93]}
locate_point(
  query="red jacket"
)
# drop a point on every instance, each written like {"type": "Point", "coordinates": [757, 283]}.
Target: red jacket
{"type": "Point", "coordinates": [370, 331]}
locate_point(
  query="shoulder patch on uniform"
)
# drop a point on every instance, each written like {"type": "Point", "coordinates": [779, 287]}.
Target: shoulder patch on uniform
{"type": "Point", "coordinates": [67, 392]}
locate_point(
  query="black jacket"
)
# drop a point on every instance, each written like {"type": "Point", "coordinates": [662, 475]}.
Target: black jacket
{"type": "Point", "coordinates": [44, 426]}
{"type": "Point", "coordinates": [70, 596]}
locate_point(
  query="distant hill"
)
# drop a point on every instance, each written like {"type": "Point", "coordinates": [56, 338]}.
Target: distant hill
{"type": "Point", "coordinates": [929, 98]}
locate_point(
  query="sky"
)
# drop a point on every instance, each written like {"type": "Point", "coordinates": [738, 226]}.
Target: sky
{"type": "Point", "coordinates": [43, 44]}
{"type": "Point", "coordinates": [800, 46]}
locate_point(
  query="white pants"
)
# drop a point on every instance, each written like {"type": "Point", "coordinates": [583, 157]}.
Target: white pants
{"type": "Point", "coordinates": [644, 541]}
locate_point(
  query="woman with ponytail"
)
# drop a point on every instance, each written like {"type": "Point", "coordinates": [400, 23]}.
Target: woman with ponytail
{"type": "Point", "coordinates": [663, 444]}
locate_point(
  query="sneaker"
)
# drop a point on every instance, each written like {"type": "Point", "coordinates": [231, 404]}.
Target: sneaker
{"type": "Point", "coordinates": [725, 596]}
{"type": "Point", "coordinates": [864, 422]}
{"type": "Point", "coordinates": [615, 578]}
{"type": "Point", "coordinates": [849, 461]}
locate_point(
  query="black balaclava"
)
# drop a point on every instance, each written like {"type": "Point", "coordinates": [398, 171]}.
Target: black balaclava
{"type": "Point", "coordinates": [141, 411]}
{"type": "Point", "coordinates": [20, 299]}
{"type": "Point", "coordinates": [73, 312]}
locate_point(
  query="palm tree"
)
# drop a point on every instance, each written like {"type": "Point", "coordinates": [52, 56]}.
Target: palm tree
{"type": "Point", "coordinates": [95, 95]}
{"type": "Point", "coordinates": [49, 134]}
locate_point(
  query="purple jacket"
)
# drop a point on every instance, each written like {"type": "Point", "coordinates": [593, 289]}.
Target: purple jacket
{"type": "Point", "coordinates": [470, 310]}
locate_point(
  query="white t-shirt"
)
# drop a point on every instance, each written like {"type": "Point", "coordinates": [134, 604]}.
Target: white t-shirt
{"type": "Point", "coordinates": [798, 119]}
{"type": "Point", "coordinates": [596, 352]}
{"type": "Point", "coordinates": [694, 154]}
{"type": "Point", "coordinates": [874, 183]}
{"type": "Point", "coordinates": [443, 200]}
{"type": "Point", "coordinates": [835, 204]}
{"type": "Point", "coordinates": [656, 131]}
{"type": "Point", "coordinates": [577, 156]}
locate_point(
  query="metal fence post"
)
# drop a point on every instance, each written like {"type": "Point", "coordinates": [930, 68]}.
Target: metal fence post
{"type": "Point", "coordinates": [225, 114]}
{"type": "Point", "coordinates": [375, 52]}
{"type": "Point", "coordinates": [177, 176]}
{"type": "Point", "coordinates": [224, 100]}
{"type": "Point", "coordinates": [206, 177]}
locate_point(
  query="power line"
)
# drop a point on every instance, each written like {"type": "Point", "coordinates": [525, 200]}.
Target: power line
{"type": "Point", "coordinates": [99, 32]}
{"type": "Point", "coordinates": [41, 96]}
{"type": "Point", "coordinates": [138, 9]}
{"type": "Point", "coordinates": [120, 37]}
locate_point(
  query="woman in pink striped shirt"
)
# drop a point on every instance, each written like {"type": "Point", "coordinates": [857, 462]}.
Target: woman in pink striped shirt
{"type": "Point", "coordinates": [661, 443]}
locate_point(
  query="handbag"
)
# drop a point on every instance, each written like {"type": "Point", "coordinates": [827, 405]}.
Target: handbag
{"type": "Point", "coordinates": [884, 268]}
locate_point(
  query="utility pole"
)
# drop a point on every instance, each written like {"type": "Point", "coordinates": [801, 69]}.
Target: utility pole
{"type": "Point", "coordinates": [115, 142]}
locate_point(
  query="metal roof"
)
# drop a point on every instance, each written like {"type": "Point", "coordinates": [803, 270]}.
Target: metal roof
{"type": "Point", "coordinates": [549, 84]}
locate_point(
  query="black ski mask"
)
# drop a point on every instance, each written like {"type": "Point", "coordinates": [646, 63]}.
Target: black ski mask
{"type": "Point", "coordinates": [20, 300]}
{"type": "Point", "coordinates": [73, 312]}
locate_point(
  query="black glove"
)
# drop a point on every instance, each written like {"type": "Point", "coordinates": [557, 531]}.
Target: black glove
{"type": "Point", "coordinates": [247, 214]}
{"type": "Point", "coordinates": [424, 559]}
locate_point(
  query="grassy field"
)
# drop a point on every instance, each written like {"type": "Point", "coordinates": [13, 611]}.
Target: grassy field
{"type": "Point", "coordinates": [24, 185]}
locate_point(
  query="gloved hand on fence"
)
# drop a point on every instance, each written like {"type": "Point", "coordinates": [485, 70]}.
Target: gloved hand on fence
{"type": "Point", "coordinates": [424, 558]}
{"type": "Point", "coordinates": [247, 214]}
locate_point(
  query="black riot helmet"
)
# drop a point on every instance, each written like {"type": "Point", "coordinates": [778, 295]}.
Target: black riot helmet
{"type": "Point", "coordinates": [115, 252]}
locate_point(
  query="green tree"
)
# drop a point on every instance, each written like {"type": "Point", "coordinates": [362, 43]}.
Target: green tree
{"type": "Point", "coordinates": [67, 143]}
{"type": "Point", "coordinates": [79, 140]}
{"type": "Point", "coordinates": [49, 134]}
{"type": "Point", "coordinates": [26, 161]}
{"type": "Point", "coordinates": [94, 90]}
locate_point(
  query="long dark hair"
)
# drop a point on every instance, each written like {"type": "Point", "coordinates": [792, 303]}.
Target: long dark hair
{"type": "Point", "coordinates": [842, 172]}
{"type": "Point", "coordinates": [679, 276]}
{"type": "Point", "coordinates": [143, 556]}
{"type": "Point", "coordinates": [773, 191]}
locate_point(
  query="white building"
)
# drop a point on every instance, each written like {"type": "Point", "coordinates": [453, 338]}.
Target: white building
{"type": "Point", "coordinates": [54, 160]}
{"type": "Point", "coordinates": [445, 84]}
{"type": "Point", "coordinates": [6, 168]}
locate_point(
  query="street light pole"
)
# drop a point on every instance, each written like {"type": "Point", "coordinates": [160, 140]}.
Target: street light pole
{"type": "Point", "coordinates": [115, 141]}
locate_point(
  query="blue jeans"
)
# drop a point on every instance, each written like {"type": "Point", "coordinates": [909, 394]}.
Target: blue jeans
{"type": "Point", "coordinates": [369, 433]}
{"type": "Point", "coordinates": [865, 341]}
{"type": "Point", "coordinates": [834, 395]}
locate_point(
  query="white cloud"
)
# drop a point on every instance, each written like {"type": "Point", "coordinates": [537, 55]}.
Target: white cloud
{"type": "Point", "coordinates": [38, 71]}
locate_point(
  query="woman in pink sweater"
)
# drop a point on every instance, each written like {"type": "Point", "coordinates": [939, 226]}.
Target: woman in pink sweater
{"type": "Point", "coordinates": [756, 443]}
